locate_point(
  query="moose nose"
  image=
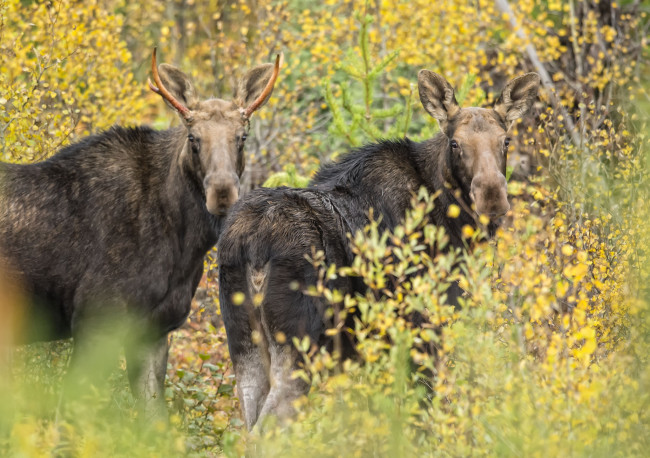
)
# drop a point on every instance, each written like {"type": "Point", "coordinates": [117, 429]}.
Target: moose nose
{"type": "Point", "coordinates": [221, 192]}
{"type": "Point", "coordinates": [490, 196]}
{"type": "Point", "coordinates": [497, 212]}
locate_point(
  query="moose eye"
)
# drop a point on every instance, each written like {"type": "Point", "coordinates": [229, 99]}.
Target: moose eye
{"type": "Point", "coordinates": [240, 141]}
{"type": "Point", "coordinates": [506, 142]}
{"type": "Point", "coordinates": [454, 144]}
{"type": "Point", "coordinates": [194, 143]}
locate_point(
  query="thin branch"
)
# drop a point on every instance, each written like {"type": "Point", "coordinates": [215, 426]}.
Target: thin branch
{"type": "Point", "coordinates": [547, 81]}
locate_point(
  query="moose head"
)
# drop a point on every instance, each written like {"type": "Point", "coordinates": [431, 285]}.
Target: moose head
{"type": "Point", "coordinates": [478, 137]}
{"type": "Point", "coordinates": [216, 128]}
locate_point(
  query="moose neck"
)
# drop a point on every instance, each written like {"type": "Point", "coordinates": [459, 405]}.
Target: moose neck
{"type": "Point", "coordinates": [385, 176]}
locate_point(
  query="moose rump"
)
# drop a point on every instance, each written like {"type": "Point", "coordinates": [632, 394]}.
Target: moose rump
{"type": "Point", "coordinates": [266, 303]}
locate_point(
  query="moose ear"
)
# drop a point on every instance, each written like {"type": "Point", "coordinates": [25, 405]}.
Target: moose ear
{"type": "Point", "coordinates": [251, 86]}
{"type": "Point", "coordinates": [517, 97]}
{"type": "Point", "coordinates": [437, 97]}
{"type": "Point", "coordinates": [179, 85]}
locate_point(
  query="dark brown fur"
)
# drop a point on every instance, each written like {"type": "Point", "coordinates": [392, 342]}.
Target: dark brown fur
{"type": "Point", "coordinates": [117, 225]}
{"type": "Point", "coordinates": [269, 233]}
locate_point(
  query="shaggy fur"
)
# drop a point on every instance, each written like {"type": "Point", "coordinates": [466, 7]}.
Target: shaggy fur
{"type": "Point", "coordinates": [263, 248]}
{"type": "Point", "coordinates": [112, 230]}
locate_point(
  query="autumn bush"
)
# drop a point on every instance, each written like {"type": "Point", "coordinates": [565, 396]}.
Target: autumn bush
{"type": "Point", "coordinates": [64, 73]}
{"type": "Point", "coordinates": [548, 354]}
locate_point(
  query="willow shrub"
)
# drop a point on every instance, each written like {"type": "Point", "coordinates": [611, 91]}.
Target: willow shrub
{"type": "Point", "coordinates": [545, 357]}
{"type": "Point", "coordinates": [65, 73]}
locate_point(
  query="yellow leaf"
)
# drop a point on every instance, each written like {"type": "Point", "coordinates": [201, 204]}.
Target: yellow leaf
{"type": "Point", "coordinates": [453, 211]}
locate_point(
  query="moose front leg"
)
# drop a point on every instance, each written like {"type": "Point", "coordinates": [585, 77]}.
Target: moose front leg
{"type": "Point", "coordinates": [146, 363]}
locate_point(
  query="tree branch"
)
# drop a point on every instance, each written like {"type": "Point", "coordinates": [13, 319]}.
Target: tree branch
{"type": "Point", "coordinates": [547, 81]}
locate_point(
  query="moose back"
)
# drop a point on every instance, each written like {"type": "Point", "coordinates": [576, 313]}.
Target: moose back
{"type": "Point", "coordinates": [269, 233]}
{"type": "Point", "coordinates": [118, 224]}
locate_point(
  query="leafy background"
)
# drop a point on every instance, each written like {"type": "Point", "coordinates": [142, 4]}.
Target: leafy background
{"type": "Point", "coordinates": [548, 356]}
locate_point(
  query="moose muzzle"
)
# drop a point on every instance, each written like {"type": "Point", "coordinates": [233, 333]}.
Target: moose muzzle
{"type": "Point", "coordinates": [489, 194]}
{"type": "Point", "coordinates": [221, 192]}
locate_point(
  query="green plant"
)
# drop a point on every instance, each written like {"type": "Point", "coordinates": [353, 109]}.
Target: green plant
{"type": "Point", "coordinates": [289, 177]}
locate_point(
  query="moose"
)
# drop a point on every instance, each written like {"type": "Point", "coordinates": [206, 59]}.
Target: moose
{"type": "Point", "coordinates": [116, 226]}
{"type": "Point", "coordinates": [269, 234]}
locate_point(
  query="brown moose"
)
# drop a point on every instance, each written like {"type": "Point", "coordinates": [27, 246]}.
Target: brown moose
{"type": "Point", "coordinates": [115, 227]}
{"type": "Point", "coordinates": [269, 233]}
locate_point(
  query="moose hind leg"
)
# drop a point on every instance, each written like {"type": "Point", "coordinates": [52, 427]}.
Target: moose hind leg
{"type": "Point", "coordinates": [285, 389]}
{"type": "Point", "coordinates": [250, 359]}
{"type": "Point", "coordinates": [146, 363]}
{"type": "Point", "coordinates": [251, 372]}
{"type": "Point", "coordinates": [286, 314]}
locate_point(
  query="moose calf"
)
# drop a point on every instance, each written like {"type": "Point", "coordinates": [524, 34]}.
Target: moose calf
{"type": "Point", "coordinates": [118, 224]}
{"type": "Point", "coordinates": [269, 233]}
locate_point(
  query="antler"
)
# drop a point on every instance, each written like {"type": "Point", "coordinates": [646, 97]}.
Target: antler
{"type": "Point", "coordinates": [182, 109]}
{"type": "Point", "coordinates": [267, 90]}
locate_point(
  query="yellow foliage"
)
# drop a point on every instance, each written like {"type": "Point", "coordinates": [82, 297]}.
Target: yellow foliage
{"type": "Point", "coordinates": [66, 74]}
{"type": "Point", "coordinates": [547, 356]}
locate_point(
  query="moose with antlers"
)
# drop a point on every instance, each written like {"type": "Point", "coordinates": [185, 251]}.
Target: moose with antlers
{"type": "Point", "coordinates": [116, 226]}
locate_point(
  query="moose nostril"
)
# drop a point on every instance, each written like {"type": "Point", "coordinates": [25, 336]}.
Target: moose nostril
{"type": "Point", "coordinates": [222, 190]}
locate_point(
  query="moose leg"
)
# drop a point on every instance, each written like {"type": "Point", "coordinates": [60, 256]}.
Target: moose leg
{"type": "Point", "coordinates": [95, 353]}
{"type": "Point", "coordinates": [453, 293]}
{"type": "Point", "coordinates": [251, 371]}
{"type": "Point", "coordinates": [250, 359]}
{"type": "Point", "coordinates": [284, 387]}
{"type": "Point", "coordinates": [246, 344]}
{"type": "Point", "coordinates": [146, 363]}
{"type": "Point", "coordinates": [285, 314]}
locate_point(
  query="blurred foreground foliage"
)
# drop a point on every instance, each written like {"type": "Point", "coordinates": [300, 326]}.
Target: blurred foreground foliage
{"type": "Point", "coordinates": [548, 355]}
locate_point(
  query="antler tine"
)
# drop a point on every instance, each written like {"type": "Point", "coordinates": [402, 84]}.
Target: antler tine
{"type": "Point", "coordinates": [152, 87]}
{"type": "Point", "coordinates": [182, 109]}
{"type": "Point", "coordinates": [267, 90]}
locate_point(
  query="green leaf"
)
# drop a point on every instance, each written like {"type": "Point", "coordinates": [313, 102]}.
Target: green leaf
{"type": "Point", "coordinates": [381, 66]}
{"type": "Point", "coordinates": [225, 388]}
